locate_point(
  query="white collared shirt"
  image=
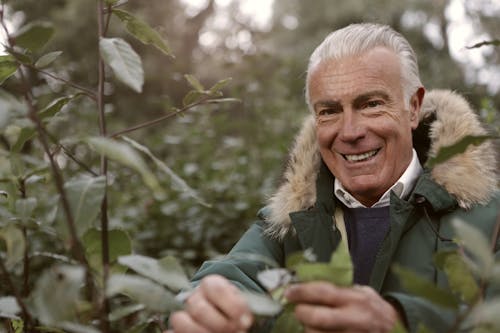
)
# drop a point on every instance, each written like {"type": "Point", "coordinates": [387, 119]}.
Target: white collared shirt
{"type": "Point", "coordinates": [402, 187]}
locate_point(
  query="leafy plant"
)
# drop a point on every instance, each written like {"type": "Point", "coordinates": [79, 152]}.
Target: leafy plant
{"type": "Point", "coordinates": [55, 205]}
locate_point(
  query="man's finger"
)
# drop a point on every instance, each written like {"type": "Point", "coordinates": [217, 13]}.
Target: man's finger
{"type": "Point", "coordinates": [228, 299]}
{"type": "Point", "coordinates": [205, 314]}
{"type": "Point", "coordinates": [182, 322]}
{"type": "Point", "coordinates": [322, 293]}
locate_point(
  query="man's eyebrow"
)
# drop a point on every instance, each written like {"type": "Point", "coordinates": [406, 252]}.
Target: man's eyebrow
{"type": "Point", "coordinates": [329, 103]}
{"type": "Point", "coordinates": [369, 95]}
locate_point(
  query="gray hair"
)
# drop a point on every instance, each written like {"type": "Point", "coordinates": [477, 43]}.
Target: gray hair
{"type": "Point", "coordinates": [356, 39]}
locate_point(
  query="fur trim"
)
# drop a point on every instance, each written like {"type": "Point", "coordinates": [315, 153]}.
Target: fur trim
{"type": "Point", "coordinates": [470, 177]}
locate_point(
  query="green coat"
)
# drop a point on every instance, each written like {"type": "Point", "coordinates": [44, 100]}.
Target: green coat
{"type": "Point", "coordinates": [301, 214]}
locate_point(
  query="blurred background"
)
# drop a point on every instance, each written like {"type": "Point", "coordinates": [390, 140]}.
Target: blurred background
{"type": "Point", "coordinates": [233, 154]}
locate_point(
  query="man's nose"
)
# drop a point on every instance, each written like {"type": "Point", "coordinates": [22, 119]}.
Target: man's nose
{"type": "Point", "coordinates": [352, 127]}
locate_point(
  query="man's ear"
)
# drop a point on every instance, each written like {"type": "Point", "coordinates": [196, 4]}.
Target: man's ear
{"type": "Point", "coordinates": [415, 106]}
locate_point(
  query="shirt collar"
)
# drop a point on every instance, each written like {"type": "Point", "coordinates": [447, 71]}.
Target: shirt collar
{"type": "Point", "coordinates": [402, 188]}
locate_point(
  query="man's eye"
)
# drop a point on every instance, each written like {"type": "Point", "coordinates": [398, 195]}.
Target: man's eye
{"type": "Point", "coordinates": [373, 104]}
{"type": "Point", "coordinates": [326, 112]}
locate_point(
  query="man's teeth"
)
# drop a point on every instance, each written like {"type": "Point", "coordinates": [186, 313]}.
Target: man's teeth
{"type": "Point", "coordinates": [356, 158]}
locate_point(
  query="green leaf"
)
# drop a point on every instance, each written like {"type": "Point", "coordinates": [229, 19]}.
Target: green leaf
{"type": "Point", "coordinates": [9, 307]}
{"type": "Point", "coordinates": [261, 304]}
{"type": "Point", "coordinates": [57, 294]}
{"type": "Point", "coordinates": [177, 180]}
{"type": "Point", "coordinates": [477, 244]}
{"type": "Point", "coordinates": [447, 152]}
{"type": "Point", "coordinates": [338, 271]}
{"type": "Point", "coordinates": [424, 288]}
{"type": "Point", "coordinates": [47, 59]}
{"type": "Point", "coordinates": [142, 31]}
{"type": "Point", "coordinates": [119, 244]}
{"type": "Point", "coordinates": [299, 258]}
{"type": "Point", "coordinates": [216, 88]}
{"type": "Point", "coordinates": [34, 36]}
{"type": "Point", "coordinates": [194, 82]}
{"type": "Point", "coordinates": [494, 42]}
{"type": "Point", "coordinates": [124, 311]}
{"type": "Point", "coordinates": [56, 105]}
{"type": "Point", "coordinates": [8, 66]}
{"type": "Point", "coordinates": [77, 328]}
{"type": "Point", "coordinates": [287, 322]}
{"type": "Point", "coordinates": [194, 96]}
{"type": "Point", "coordinates": [110, 2]}
{"type": "Point", "coordinates": [18, 325]}
{"type": "Point", "coordinates": [422, 329]}
{"type": "Point", "coordinates": [459, 275]}
{"type": "Point", "coordinates": [125, 63]}
{"type": "Point", "coordinates": [25, 208]}
{"type": "Point", "coordinates": [85, 195]}
{"type": "Point", "coordinates": [26, 134]}
{"type": "Point", "coordinates": [399, 328]}
{"type": "Point", "coordinates": [125, 155]}
{"type": "Point", "coordinates": [22, 57]}
{"type": "Point", "coordinates": [167, 271]}
{"type": "Point", "coordinates": [324, 272]}
{"type": "Point", "coordinates": [142, 290]}
{"type": "Point", "coordinates": [15, 244]}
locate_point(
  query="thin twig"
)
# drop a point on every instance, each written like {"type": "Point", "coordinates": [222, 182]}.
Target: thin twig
{"type": "Point", "coordinates": [496, 234]}
{"type": "Point", "coordinates": [85, 91]}
{"type": "Point", "coordinates": [160, 119]}
{"type": "Point", "coordinates": [33, 115]}
{"type": "Point", "coordinates": [26, 315]}
{"type": "Point", "coordinates": [109, 11]}
{"type": "Point", "coordinates": [102, 29]}
{"type": "Point", "coordinates": [71, 155]}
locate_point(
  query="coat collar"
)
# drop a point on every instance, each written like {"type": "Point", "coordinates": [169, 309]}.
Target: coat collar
{"type": "Point", "coordinates": [466, 179]}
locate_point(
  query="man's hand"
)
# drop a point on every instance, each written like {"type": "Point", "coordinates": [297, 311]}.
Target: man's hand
{"type": "Point", "coordinates": [323, 307]}
{"type": "Point", "coordinates": [216, 306]}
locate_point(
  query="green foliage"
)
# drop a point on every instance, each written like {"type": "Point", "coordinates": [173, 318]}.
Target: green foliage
{"type": "Point", "coordinates": [7, 67]}
{"type": "Point", "coordinates": [15, 244]}
{"type": "Point", "coordinates": [207, 171]}
{"type": "Point", "coordinates": [166, 271]}
{"type": "Point", "coordinates": [124, 154]}
{"type": "Point", "coordinates": [459, 275]}
{"type": "Point", "coordinates": [47, 59]}
{"type": "Point", "coordinates": [125, 63]}
{"type": "Point", "coordinates": [34, 35]}
{"type": "Point", "coordinates": [9, 307]}
{"type": "Point", "coordinates": [143, 31]}
{"type": "Point", "coordinates": [57, 295]}
{"type": "Point", "coordinates": [447, 152]}
{"type": "Point", "coordinates": [426, 289]}
{"type": "Point", "coordinates": [143, 291]}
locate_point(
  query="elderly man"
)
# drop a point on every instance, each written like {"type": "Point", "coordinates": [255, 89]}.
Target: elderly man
{"type": "Point", "coordinates": [355, 173]}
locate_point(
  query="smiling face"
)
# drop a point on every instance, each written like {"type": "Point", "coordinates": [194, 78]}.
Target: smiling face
{"type": "Point", "coordinates": [363, 127]}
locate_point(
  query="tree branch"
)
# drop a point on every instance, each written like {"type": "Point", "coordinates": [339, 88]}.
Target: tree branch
{"type": "Point", "coordinates": [102, 28]}
{"type": "Point", "coordinates": [160, 119]}
{"type": "Point", "coordinates": [85, 91]}
{"type": "Point", "coordinates": [26, 315]}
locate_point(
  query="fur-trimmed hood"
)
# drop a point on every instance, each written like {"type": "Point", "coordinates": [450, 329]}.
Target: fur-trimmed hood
{"type": "Point", "coordinates": [445, 118]}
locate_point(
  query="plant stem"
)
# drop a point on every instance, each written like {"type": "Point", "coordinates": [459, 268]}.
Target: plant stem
{"type": "Point", "coordinates": [58, 179]}
{"type": "Point", "coordinates": [71, 156]}
{"type": "Point", "coordinates": [26, 315]}
{"type": "Point", "coordinates": [102, 28]}
{"type": "Point", "coordinates": [33, 115]}
{"type": "Point", "coordinates": [160, 119]}
{"type": "Point", "coordinates": [85, 91]}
